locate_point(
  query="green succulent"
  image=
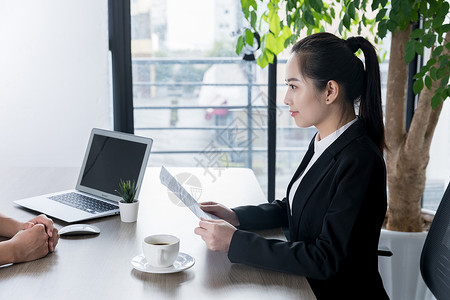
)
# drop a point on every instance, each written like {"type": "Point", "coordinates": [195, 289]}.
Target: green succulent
{"type": "Point", "coordinates": [127, 190]}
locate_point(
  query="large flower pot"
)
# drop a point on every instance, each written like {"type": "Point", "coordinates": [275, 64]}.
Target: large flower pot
{"type": "Point", "coordinates": [129, 211]}
{"type": "Point", "coordinates": [401, 272]}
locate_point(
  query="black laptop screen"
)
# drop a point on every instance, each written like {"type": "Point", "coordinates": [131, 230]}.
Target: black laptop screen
{"type": "Point", "coordinates": [111, 159]}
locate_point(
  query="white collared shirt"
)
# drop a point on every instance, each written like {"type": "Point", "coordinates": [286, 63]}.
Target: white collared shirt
{"type": "Point", "coordinates": [319, 148]}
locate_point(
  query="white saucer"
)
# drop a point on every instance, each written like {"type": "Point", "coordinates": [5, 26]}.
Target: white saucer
{"type": "Point", "coordinates": [184, 261]}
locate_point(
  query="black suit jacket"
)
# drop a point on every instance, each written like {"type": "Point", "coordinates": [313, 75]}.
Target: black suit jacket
{"type": "Point", "coordinates": [334, 226]}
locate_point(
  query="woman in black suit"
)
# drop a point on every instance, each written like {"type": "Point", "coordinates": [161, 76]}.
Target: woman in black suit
{"type": "Point", "coordinates": [336, 201]}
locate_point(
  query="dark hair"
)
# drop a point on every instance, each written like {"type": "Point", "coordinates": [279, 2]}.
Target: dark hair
{"type": "Point", "coordinates": [324, 57]}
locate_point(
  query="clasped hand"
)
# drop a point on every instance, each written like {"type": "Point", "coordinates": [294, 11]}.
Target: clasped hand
{"type": "Point", "coordinates": [217, 234]}
{"type": "Point", "coordinates": [35, 239]}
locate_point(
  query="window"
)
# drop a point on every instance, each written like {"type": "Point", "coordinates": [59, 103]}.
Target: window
{"type": "Point", "coordinates": [206, 107]}
{"type": "Point", "coordinates": [438, 175]}
{"type": "Point", "coordinates": [202, 105]}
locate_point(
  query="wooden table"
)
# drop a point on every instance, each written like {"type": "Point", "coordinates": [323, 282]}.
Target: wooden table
{"type": "Point", "coordinates": [98, 267]}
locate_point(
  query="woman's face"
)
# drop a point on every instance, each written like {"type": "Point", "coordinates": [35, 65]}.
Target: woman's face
{"type": "Point", "coordinates": [306, 104]}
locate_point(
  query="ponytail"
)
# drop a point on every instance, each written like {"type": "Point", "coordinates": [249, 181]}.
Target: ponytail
{"type": "Point", "coordinates": [370, 108]}
{"type": "Point", "coordinates": [324, 57]}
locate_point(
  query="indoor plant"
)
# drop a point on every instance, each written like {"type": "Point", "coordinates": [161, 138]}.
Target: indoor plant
{"type": "Point", "coordinates": [128, 206]}
{"type": "Point", "coordinates": [279, 23]}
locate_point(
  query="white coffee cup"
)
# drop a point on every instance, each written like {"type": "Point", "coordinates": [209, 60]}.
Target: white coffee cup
{"type": "Point", "coordinates": [161, 250]}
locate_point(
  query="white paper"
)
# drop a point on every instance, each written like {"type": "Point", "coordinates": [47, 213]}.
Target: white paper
{"type": "Point", "coordinates": [175, 187]}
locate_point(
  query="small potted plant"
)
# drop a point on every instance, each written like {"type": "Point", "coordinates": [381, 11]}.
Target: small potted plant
{"type": "Point", "coordinates": [128, 206]}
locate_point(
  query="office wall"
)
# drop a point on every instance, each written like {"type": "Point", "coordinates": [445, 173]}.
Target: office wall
{"type": "Point", "coordinates": [54, 79]}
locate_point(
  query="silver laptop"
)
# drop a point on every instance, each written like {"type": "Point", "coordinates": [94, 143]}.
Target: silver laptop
{"type": "Point", "coordinates": [110, 156]}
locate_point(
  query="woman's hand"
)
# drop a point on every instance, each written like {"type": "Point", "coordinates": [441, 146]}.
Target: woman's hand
{"type": "Point", "coordinates": [216, 234]}
{"type": "Point", "coordinates": [30, 244]}
{"type": "Point", "coordinates": [221, 212]}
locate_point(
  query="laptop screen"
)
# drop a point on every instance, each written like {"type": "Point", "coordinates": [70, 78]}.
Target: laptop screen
{"type": "Point", "coordinates": [111, 159]}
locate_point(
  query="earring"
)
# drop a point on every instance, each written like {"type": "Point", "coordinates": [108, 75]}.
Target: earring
{"type": "Point", "coordinates": [328, 100]}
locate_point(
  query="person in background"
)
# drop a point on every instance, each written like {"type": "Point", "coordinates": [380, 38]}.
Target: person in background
{"type": "Point", "coordinates": [27, 240]}
{"type": "Point", "coordinates": [336, 201]}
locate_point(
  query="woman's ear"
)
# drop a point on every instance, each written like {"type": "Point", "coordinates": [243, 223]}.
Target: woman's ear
{"type": "Point", "coordinates": [332, 91]}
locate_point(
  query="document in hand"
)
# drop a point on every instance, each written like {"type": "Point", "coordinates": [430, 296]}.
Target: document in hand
{"type": "Point", "coordinates": [175, 187]}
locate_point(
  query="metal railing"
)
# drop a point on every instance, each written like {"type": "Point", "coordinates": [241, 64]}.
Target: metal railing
{"type": "Point", "coordinates": [249, 67]}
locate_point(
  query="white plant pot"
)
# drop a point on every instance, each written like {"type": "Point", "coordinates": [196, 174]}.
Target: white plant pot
{"type": "Point", "coordinates": [129, 211]}
{"type": "Point", "coordinates": [401, 272]}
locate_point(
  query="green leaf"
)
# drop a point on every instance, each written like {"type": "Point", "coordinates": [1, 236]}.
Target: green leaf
{"type": "Point", "coordinates": [405, 8]}
{"type": "Point", "coordinates": [375, 4]}
{"type": "Point", "coordinates": [364, 20]}
{"type": "Point", "coordinates": [427, 24]}
{"type": "Point", "coordinates": [239, 45]}
{"type": "Point", "coordinates": [424, 8]}
{"type": "Point", "coordinates": [418, 75]}
{"type": "Point", "coordinates": [433, 73]}
{"type": "Point", "coordinates": [419, 48]}
{"type": "Point", "coordinates": [271, 43]}
{"type": "Point", "coordinates": [290, 40]}
{"type": "Point", "coordinates": [438, 51]}
{"type": "Point", "coordinates": [410, 51]}
{"type": "Point", "coordinates": [381, 14]}
{"type": "Point", "coordinates": [437, 21]}
{"type": "Point", "coordinates": [253, 19]}
{"type": "Point", "coordinates": [245, 4]}
{"type": "Point", "coordinates": [445, 28]}
{"type": "Point", "coordinates": [417, 33]}
{"type": "Point", "coordinates": [286, 32]}
{"type": "Point", "coordinates": [292, 18]}
{"type": "Point", "coordinates": [351, 10]}
{"type": "Point", "coordinates": [382, 29]}
{"type": "Point", "coordinates": [264, 59]}
{"type": "Point", "coordinates": [317, 5]}
{"type": "Point", "coordinates": [274, 23]}
{"type": "Point", "coordinates": [436, 100]}
{"type": "Point", "coordinates": [428, 82]}
{"type": "Point", "coordinates": [444, 82]}
{"type": "Point", "coordinates": [391, 25]}
{"type": "Point", "coordinates": [275, 44]}
{"type": "Point", "coordinates": [443, 60]}
{"type": "Point", "coordinates": [417, 86]}
{"type": "Point", "coordinates": [441, 72]}
{"type": "Point", "coordinates": [429, 39]}
{"type": "Point", "coordinates": [346, 21]}
{"type": "Point", "coordinates": [249, 37]}
{"type": "Point", "coordinates": [415, 18]}
{"type": "Point", "coordinates": [433, 8]}
{"type": "Point", "coordinates": [441, 14]}
{"type": "Point", "coordinates": [291, 4]}
{"type": "Point", "coordinates": [328, 19]}
{"type": "Point", "coordinates": [431, 62]}
{"type": "Point", "coordinates": [309, 18]}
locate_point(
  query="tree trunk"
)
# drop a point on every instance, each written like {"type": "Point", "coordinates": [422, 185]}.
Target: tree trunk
{"type": "Point", "coordinates": [408, 153]}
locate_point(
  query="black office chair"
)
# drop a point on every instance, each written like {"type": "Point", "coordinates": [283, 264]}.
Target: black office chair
{"type": "Point", "coordinates": [435, 258]}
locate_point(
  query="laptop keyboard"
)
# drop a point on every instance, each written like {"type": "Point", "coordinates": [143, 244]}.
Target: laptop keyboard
{"type": "Point", "coordinates": [88, 204]}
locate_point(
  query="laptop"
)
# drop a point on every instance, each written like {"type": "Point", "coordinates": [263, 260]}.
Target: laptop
{"type": "Point", "coordinates": [110, 156]}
